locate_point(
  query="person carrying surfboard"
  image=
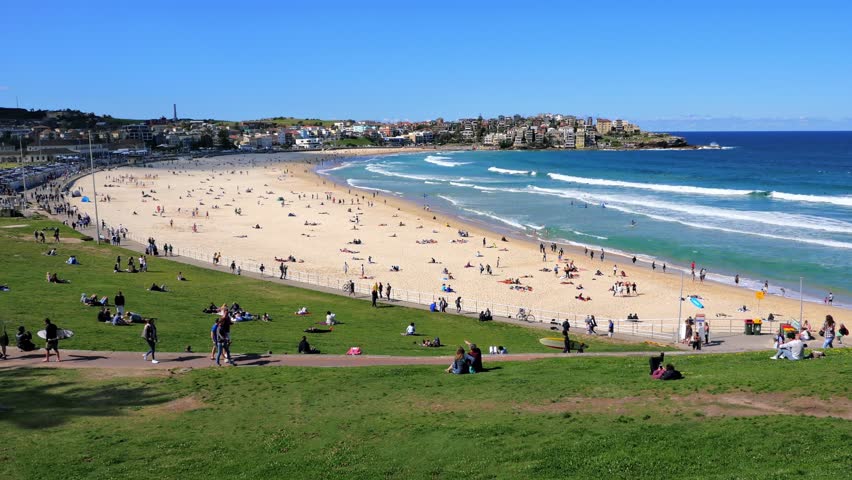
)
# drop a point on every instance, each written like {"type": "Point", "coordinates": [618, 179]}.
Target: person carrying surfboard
{"type": "Point", "coordinates": [52, 340]}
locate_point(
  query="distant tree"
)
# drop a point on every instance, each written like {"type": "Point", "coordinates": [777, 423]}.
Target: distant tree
{"type": "Point", "coordinates": [506, 143]}
{"type": "Point", "coordinates": [224, 142]}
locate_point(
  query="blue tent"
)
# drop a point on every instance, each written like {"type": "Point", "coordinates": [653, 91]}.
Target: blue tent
{"type": "Point", "coordinates": [86, 200]}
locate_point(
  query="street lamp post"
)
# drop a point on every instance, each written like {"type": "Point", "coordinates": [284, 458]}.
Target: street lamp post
{"type": "Point", "coordinates": [94, 191]}
{"type": "Point", "coordinates": [23, 170]}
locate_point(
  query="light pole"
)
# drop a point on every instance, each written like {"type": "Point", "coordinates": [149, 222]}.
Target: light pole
{"type": "Point", "coordinates": [23, 170]}
{"type": "Point", "coordinates": [94, 190]}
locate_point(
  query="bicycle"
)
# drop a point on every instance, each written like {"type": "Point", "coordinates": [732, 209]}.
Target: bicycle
{"type": "Point", "coordinates": [525, 316]}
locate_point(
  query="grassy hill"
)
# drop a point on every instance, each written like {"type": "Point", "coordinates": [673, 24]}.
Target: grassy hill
{"type": "Point", "coordinates": [733, 416]}
{"type": "Point", "coordinates": [181, 322]}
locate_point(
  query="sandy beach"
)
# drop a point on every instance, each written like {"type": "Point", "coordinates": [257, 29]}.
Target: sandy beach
{"type": "Point", "coordinates": [215, 204]}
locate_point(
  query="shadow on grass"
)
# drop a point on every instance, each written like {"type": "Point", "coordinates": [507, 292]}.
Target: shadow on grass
{"type": "Point", "coordinates": [35, 399]}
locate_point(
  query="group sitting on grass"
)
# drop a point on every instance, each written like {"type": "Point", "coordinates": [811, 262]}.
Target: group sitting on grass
{"type": "Point", "coordinates": [93, 300]}
{"type": "Point", "coordinates": [235, 313]}
{"type": "Point", "coordinates": [658, 372]}
{"type": "Point", "coordinates": [466, 362]}
{"type": "Point", "coordinates": [24, 340]}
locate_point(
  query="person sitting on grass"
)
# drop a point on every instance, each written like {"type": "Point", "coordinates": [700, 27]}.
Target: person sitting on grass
{"type": "Point", "coordinates": [305, 347]}
{"type": "Point", "coordinates": [118, 321]}
{"type": "Point", "coordinates": [54, 278]}
{"type": "Point", "coordinates": [791, 350]}
{"type": "Point", "coordinates": [211, 309]}
{"type": "Point", "coordinates": [476, 354]}
{"type": "Point", "coordinates": [409, 331]}
{"type": "Point", "coordinates": [24, 340]}
{"type": "Point", "coordinates": [105, 315]}
{"type": "Point", "coordinates": [51, 252]}
{"type": "Point", "coordinates": [330, 318]}
{"type": "Point", "coordinates": [656, 374]}
{"type": "Point", "coordinates": [132, 317]}
{"type": "Point", "coordinates": [461, 363]}
{"type": "Point", "coordinates": [72, 260]}
{"type": "Point", "coordinates": [158, 288]}
{"type": "Point", "coordinates": [671, 373]}
{"type": "Point", "coordinates": [180, 277]}
{"type": "Point", "coordinates": [265, 317]}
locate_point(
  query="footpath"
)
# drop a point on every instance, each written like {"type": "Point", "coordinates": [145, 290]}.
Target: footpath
{"type": "Point", "coordinates": [134, 360]}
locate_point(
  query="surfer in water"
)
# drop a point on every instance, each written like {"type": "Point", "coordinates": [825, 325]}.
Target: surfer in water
{"type": "Point", "coordinates": [632, 223]}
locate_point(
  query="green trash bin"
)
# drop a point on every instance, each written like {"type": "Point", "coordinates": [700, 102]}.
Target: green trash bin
{"type": "Point", "coordinates": [749, 327]}
{"type": "Point", "coordinates": [756, 326]}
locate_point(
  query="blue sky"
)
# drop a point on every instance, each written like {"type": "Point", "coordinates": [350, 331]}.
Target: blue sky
{"type": "Point", "coordinates": [665, 64]}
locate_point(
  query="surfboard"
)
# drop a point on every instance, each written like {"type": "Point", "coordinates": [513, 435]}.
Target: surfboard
{"type": "Point", "coordinates": [558, 343]}
{"type": "Point", "coordinates": [63, 334]}
{"type": "Point", "coordinates": [696, 302]}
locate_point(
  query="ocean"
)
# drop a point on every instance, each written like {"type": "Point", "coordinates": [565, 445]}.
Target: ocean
{"type": "Point", "coordinates": [768, 206]}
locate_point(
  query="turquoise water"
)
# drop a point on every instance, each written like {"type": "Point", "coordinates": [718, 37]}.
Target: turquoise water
{"type": "Point", "coordinates": [769, 206]}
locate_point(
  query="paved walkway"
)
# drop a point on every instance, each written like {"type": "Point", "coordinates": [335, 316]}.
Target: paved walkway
{"type": "Point", "coordinates": [133, 360]}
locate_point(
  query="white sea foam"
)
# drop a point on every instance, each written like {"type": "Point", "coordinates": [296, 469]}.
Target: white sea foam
{"type": "Point", "coordinates": [845, 201]}
{"type": "Point", "coordinates": [381, 170]}
{"type": "Point", "coordinates": [778, 219]}
{"type": "Point", "coordinates": [357, 184]}
{"type": "Point", "coordinates": [427, 182]}
{"type": "Point", "coordinates": [338, 167]}
{"type": "Point", "coordinates": [443, 161]}
{"type": "Point", "coordinates": [507, 221]}
{"type": "Point", "coordinates": [649, 186]}
{"type": "Point", "coordinates": [575, 232]}
{"type": "Point", "coordinates": [451, 200]}
{"type": "Point", "coordinates": [506, 171]}
{"type": "Point", "coordinates": [534, 227]}
{"type": "Point", "coordinates": [459, 184]}
{"type": "Point", "coordinates": [799, 239]}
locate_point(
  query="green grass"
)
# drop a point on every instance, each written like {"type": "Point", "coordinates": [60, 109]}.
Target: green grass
{"type": "Point", "coordinates": [541, 419]}
{"type": "Point", "coordinates": [7, 165]}
{"type": "Point", "coordinates": [181, 322]}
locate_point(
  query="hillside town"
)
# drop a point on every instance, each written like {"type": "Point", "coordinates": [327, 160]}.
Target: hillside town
{"type": "Point", "coordinates": [48, 136]}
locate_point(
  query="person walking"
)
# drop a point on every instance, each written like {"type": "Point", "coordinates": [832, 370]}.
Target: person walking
{"type": "Point", "coordinates": [119, 303]}
{"type": "Point", "coordinates": [610, 329]}
{"type": "Point", "coordinates": [458, 304]}
{"type": "Point", "coordinates": [223, 341]}
{"type": "Point", "coordinates": [374, 293]}
{"type": "Point", "coordinates": [52, 340]}
{"type": "Point", "coordinates": [149, 333]}
{"type": "Point", "coordinates": [387, 291]}
{"type": "Point", "coordinates": [281, 269]}
{"type": "Point", "coordinates": [262, 269]}
{"type": "Point", "coordinates": [4, 342]}
{"type": "Point", "coordinates": [566, 342]}
{"type": "Point", "coordinates": [827, 331]}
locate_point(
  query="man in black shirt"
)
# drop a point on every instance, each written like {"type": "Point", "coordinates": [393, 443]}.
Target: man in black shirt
{"type": "Point", "coordinates": [52, 337]}
{"type": "Point", "coordinates": [119, 303]}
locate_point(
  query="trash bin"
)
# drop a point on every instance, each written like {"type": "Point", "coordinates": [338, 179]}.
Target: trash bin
{"type": "Point", "coordinates": [756, 326]}
{"type": "Point", "coordinates": [749, 327]}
